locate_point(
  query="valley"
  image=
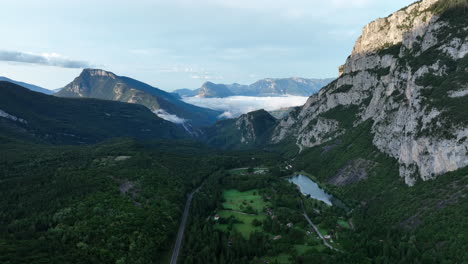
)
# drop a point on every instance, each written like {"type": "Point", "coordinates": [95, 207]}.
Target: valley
{"type": "Point", "coordinates": [368, 168]}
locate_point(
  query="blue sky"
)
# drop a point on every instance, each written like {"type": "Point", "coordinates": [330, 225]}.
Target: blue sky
{"type": "Point", "coordinates": [175, 44]}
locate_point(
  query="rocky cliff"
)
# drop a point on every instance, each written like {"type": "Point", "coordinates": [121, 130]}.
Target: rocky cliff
{"type": "Point", "coordinates": [249, 130]}
{"type": "Point", "coordinates": [407, 74]}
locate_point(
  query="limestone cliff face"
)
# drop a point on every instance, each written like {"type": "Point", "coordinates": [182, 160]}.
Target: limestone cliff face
{"type": "Point", "coordinates": [394, 28]}
{"type": "Point", "coordinates": [406, 75]}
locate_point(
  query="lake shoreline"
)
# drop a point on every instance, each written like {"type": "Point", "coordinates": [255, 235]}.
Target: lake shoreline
{"type": "Point", "coordinates": [332, 200]}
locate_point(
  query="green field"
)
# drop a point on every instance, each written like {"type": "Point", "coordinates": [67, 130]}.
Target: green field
{"type": "Point", "coordinates": [301, 249]}
{"type": "Point", "coordinates": [343, 224]}
{"type": "Point", "coordinates": [239, 201]}
{"type": "Point", "coordinates": [322, 230]}
{"type": "Point", "coordinates": [280, 259]}
{"type": "Point", "coordinates": [246, 227]}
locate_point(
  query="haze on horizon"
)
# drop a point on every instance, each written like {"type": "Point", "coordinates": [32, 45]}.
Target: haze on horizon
{"type": "Point", "coordinates": [174, 44]}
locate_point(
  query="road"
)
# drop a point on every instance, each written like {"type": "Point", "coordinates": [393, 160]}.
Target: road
{"type": "Point", "coordinates": [180, 235]}
{"type": "Point", "coordinates": [318, 233]}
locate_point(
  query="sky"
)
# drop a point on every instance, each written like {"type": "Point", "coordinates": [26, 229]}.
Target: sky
{"type": "Point", "coordinates": [173, 44]}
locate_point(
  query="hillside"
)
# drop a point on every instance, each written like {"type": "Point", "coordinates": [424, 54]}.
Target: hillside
{"type": "Point", "coordinates": [100, 84]}
{"type": "Point", "coordinates": [44, 118]}
{"type": "Point", "coordinates": [31, 87]}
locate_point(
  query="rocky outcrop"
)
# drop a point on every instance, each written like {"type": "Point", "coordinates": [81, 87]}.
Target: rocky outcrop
{"type": "Point", "coordinates": [253, 126]}
{"type": "Point", "coordinates": [12, 117]}
{"type": "Point", "coordinates": [395, 28]}
{"type": "Point", "coordinates": [354, 171]}
{"type": "Point", "coordinates": [394, 78]}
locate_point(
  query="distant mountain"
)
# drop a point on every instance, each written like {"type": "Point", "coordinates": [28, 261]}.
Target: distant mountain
{"type": "Point", "coordinates": [43, 118]}
{"type": "Point", "coordinates": [289, 86]}
{"type": "Point", "coordinates": [95, 83]}
{"type": "Point", "coordinates": [212, 90]}
{"type": "Point", "coordinates": [186, 92]}
{"type": "Point", "coordinates": [262, 88]}
{"type": "Point", "coordinates": [31, 87]}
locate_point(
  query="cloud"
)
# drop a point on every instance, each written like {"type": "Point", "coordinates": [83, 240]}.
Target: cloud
{"type": "Point", "coordinates": [48, 59]}
{"type": "Point", "coordinates": [206, 77]}
{"type": "Point", "coordinates": [237, 105]}
{"type": "Point", "coordinates": [193, 72]}
{"type": "Point", "coordinates": [169, 117]}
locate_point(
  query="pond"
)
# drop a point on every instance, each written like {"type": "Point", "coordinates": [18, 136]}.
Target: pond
{"type": "Point", "coordinates": [309, 187]}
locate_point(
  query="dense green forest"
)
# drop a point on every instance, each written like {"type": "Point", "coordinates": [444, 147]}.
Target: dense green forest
{"type": "Point", "coordinates": [115, 202]}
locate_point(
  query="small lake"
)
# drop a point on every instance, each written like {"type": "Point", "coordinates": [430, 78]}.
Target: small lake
{"type": "Point", "coordinates": [309, 187]}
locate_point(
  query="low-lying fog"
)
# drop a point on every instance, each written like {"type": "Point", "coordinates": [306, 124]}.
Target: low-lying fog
{"type": "Point", "coordinates": [235, 106]}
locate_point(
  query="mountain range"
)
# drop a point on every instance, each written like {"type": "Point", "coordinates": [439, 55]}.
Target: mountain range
{"type": "Point", "coordinates": [266, 87]}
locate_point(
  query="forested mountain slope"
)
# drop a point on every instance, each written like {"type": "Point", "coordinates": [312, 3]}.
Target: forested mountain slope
{"type": "Point", "coordinates": [45, 118]}
{"type": "Point", "coordinates": [31, 87]}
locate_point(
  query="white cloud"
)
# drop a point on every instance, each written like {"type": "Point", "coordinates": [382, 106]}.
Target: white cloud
{"type": "Point", "coordinates": [237, 105]}
{"type": "Point", "coordinates": [169, 117]}
{"type": "Point", "coordinates": [48, 59]}
{"type": "Point", "coordinates": [206, 77]}
{"type": "Point", "coordinates": [194, 72]}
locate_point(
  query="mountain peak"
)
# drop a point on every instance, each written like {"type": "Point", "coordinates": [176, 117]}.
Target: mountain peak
{"type": "Point", "coordinates": [392, 30]}
{"type": "Point", "coordinates": [98, 72]}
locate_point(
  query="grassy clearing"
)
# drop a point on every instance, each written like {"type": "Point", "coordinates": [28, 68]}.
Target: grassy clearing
{"type": "Point", "coordinates": [240, 201]}
{"type": "Point", "coordinates": [322, 230]}
{"type": "Point", "coordinates": [280, 259]}
{"type": "Point", "coordinates": [250, 203]}
{"type": "Point", "coordinates": [343, 224]}
{"type": "Point", "coordinates": [247, 219]}
{"type": "Point", "coordinates": [246, 227]}
{"type": "Point", "coordinates": [302, 249]}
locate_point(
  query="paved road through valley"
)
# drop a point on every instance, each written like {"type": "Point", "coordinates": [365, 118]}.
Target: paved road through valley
{"type": "Point", "coordinates": [318, 233]}
{"type": "Point", "coordinates": [180, 235]}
